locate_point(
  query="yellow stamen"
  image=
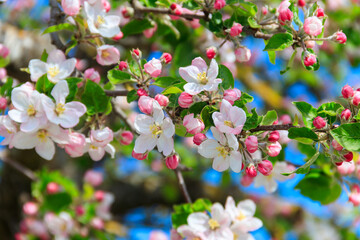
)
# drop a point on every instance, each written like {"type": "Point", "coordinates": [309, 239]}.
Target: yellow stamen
{"type": "Point", "coordinates": [202, 78]}
{"type": "Point", "coordinates": [213, 224]}
{"type": "Point", "coordinates": [42, 135]}
{"type": "Point", "coordinates": [31, 111]}
{"type": "Point", "coordinates": [241, 216]}
{"type": "Point", "coordinates": [53, 71]}
{"type": "Point", "coordinates": [223, 151]}
{"type": "Point", "coordinates": [93, 147]}
{"type": "Point", "coordinates": [60, 108]}
{"type": "Point", "coordinates": [105, 54]}
{"type": "Point", "coordinates": [99, 20]}
{"type": "Point", "coordinates": [229, 123]}
{"type": "Point", "coordinates": [155, 130]}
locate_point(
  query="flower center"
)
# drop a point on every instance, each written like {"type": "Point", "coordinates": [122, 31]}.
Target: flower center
{"type": "Point", "coordinates": [60, 108]}
{"type": "Point", "coordinates": [223, 151]}
{"type": "Point", "coordinates": [42, 135]}
{"type": "Point", "coordinates": [31, 111]}
{"type": "Point", "coordinates": [155, 130]}
{"type": "Point", "coordinates": [202, 78]}
{"type": "Point", "coordinates": [105, 54]}
{"type": "Point", "coordinates": [93, 147]}
{"type": "Point", "coordinates": [213, 224]}
{"type": "Point", "coordinates": [99, 20]}
{"type": "Point", "coordinates": [229, 123]}
{"type": "Point", "coordinates": [53, 71]}
{"type": "Point", "coordinates": [241, 216]}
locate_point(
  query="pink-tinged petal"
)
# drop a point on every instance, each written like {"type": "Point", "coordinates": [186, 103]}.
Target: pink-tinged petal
{"type": "Point", "coordinates": [31, 125]}
{"type": "Point", "coordinates": [232, 141]}
{"type": "Point", "coordinates": [230, 207]}
{"type": "Point", "coordinates": [221, 164]}
{"type": "Point", "coordinates": [56, 57]}
{"type": "Point", "coordinates": [57, 134]}
{"type": "Point", "coordinates": [247, 207]}
{"type": "Point", "coordinates": [68, 119]}
{"type": "Point", "coordinates": [237, 116]}
{"type": "Point", "coordinates": [18, 116]}
{"type": "Point", "coordinates": [66, 68]}
{"type": "Point", "coordinates": [189, 74]}
{"type": "Point", "coordinates": [168, 128]}
{"type": "Point", "coordinates": [77, 107]}
{"type": "Point", "coordinates": [46, 149]}
{"type": "Point", "coordinates": [236, 161]}
{"type": "Point", "coordinates": [218, 118]}
{"type": "Point", "coordinates": [198, 221]}
{"type": "Point", "coordinates": [110, 150]}
{"type": "Point", "coordinates": [144, 143]}
{"type": "Point", "coordinates": [193, 88]}
{"type": "Point", "coordinates": [208, 148]}
{"type": "Point", "coordinates": [37, 68]}
{"type": "Point", "coordinates": [142, 124]}
{"type": "Point", "coordinates": [219, 136]}
{"type": "Point", "coordinates": [200, 64]}
{"type": "Point", "coordinates": [158, 113]}
{"type": "Point", "coordinates": [23, 140]}
{"type": "Point", "coordinates": [20, 99]}
{"type": "Point", "coordinates": [96, 153]}
{"type": "Point", "coordinates": [223, 128]}
{"type": "Point", "coordinates": [224, 234]}
{"type": "Point", "coordinates": [165, 145]}
{"type": "Point", "coordinates": [225, 108]}
{"type": "Point", "coordinates": [213, 70]}
{"type": "Point", "coordinates": [60, 91]}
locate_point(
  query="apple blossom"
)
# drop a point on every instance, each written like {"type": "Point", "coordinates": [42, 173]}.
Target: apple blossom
{"type": "Point", "coordinates": [3, 73]}
{"type": "Point", "coordinates": [127, 12]}
{"type": "Point", "coordinates": [274, 136]}
{"type": "Point", "coordinates": [185, 100]}
{"type": "Point", "coordinates": [251, 170]}
{"type": "Point", "coordinates": [219, 4]}
{"type": "Point", "coordinates": [99, 195]}
{"type": "Point", "coordinates": [145, 104]}
{"type": "Point", "coordinates": [200, 77]}
{"type": "Point", "coordinates": [30, 208]}
{"type": "Point", "coordinates": [4, 51]}
{"type": "Point", "coordinates": [340, 37]}
{"type": "Point", "coordinates": [211, 52]}
{"type": "Point", "coordinates": [57, 67]}
{"type": "Point", "coordinates": [193, 125]}
{"type": "Point", "coordinates": [246, 180]}
{"type": "Point", "coordinates": [97, 223]}
{"type": "Point", "coordinates": [80, 210]}
{"type": "Point", "coordinates": [313, 26]}
{"type": "Point", "coordinates": [153, 67]}
{"type": "Point", "coordinates": [106, 5]}
{"type": "Point", "coordinates": [71, 7]}
{"type": "Point", "coordinates": [319, 122]}
{"type": "Point", "coordinates": [310, 44]}
{"type": "Point", "coordinates": [348, 156]}
{"type": "Point", "coordinates": [158, 235]}
{"type": "Point", "coordinates": [123, 66]}
{"type": "Point", "coordinates": [172, 162]}
{"type": "Point", "coordinates": [148, 33]}
{"type": "Point", "coordinates": [52, 188]}
{"type": "Point", "coordinates": [310, 60]}
{"type": "Point", "coordinates": [199, 138]}
{"type": "Point", "coordinates": [230, 119]}
{"type": "Point", "coordinates": [65, 114]}
{"type": "Point", "coordinates": [101, 137]}
{"type": "Point", "coordinates": [301, 3]}
{"type": "Point", "coordinates": [162, 100]}
{"type": "Point", "coordinates": [100, 23]}
{"type": "Point", "coordinates": [356, 98]}
{"type": "Point", "coordinates": [236, 29]}
{"type": "Point", "coordinates": [285, 14]}
{"type": "Point", "coordinates": [126, 137]}
{"type": "Point", "coordinates": [136, 53]}
{"type": "Point", "coordinates": [154, 131]}
{"type": "Point", "coordinates": [166, 57]}
{"type": "Point", "coordinates": [346, 114]}
{"type": "Point", "coordinates": [354, 196]}
{"type": "Point", "coordinates": [118, 36]}
{"type": "Point", "coordinates": [320, 13]}
{"type": "Point", "coordinates": [231, 95]}
{"type": "Point", "coordinates": [92, 75]}
{"type": "Point", "coordinates": [76, 145]}
{"type": "Point", "coordinates": [103, 209]}
{"type": "Point", "coordinates": [242, 54]}
{"type": "Point", "coordinates": [94, 178]}
{"type": "Point", "coordinates": [223, 149]}
{"type": "Point", "coordinates": [59, 225]}
{"type": "Point", "coordinates": [251, 143]}
{"type": "Point", "coordinates": [265, 167]}
{"type": "Point", "coordinates": [139, 156]}
{"type": "Point", "coordinates": [274, 149]}
{"type": "Point", "coordinates": [264, 11]}
{"type": "Point", "coordinates": [8, 129]}
{"type": "Point", "coordinates": [96, 150]}
{"type": "Point", "coordinates": [107, 55]}
{"type": "Point", "coordinates": [346, 168]}
{"type": "Point", "coordinates": [347, 91]}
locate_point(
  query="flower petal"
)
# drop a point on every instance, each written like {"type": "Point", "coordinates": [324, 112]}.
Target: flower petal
{"type": "Point", "coordinates": [168, 127]}
{"type": "Point", "coordinates": [18, 116]}
{"type": "Point", "coordinates": [23, 140]}
{"type": "Point", "coordinates": [213, 70]}
{"type": "Point", "coordinates": [165, 145]}
{"type": "Point", "coordinates": [198, 221]}
{"type": "Point", "coordinates": [96, 153]}
{"type": "Point", "coordinates": [37, 68]}
{"type": "Point", "coordinates": [218, 135]}
{"type": "Point", "coordinates": [200, 64]}
{"type": "Point", "coordinates": [220, 164]}
{"type": "Point", "coordinates": [60, 91]}
{"type": "Point", "coordinates": [144, 143]}
{"type": "Point", "coordinates": [110, 149]}
{"type": "Point", "coordinates": [236, 161]}
{"type": "Point", "coordinates": [208, 148]}
{"type": "Point", "coordinates": [31, 125]}
{"type": "Point", "coordinates": [247, 207]}
{"type": "Point", "coordinates": [189, 74]}
{"type": "Point", "coordinates": [56, 57]}
{"type": "Point", "coordinates": [46, 149]}
{"type": "Point", "coordinates": [77, 107]}
{"type": "Point", "coordinates": [193, 88]}
{"type": "Point", "coordinates": [142, 123]}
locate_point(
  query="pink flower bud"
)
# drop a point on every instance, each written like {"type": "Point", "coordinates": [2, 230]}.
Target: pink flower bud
{"type": "Point", "coordinates": [231, 95]}
{"type": "Point", "coordinates": [3, 73]}
{"type": "Point", "coordinates": [219, 4]}
{"type": "Point", "coordinates": [101, 137]}
{"type": "Point", "coordinates": [313, 26]}
{"type": "Point", "coordinates": [76, 145]}
{"type": "Point", "coordinates": [193, 125]}
{"type": "Point", "coordinates": [97, 223]}
{"type": "Point", "coordinates": [52, 188]}
{"type": "Point", "coordinates": [166, 57]}
{"type": "Point", "coordinates": [347, 91]}
{"type": "Point", "coordinates": [285, 119]}
{"type": "Point", "coordinates": [320, 13]}
{"type": "Point", "coordinates": [107, 55]}
{"type": "Point", "coordinates": [348, 156]}
{"type": "Point", "coordinates": [346, 168]}
{"type": "Point", "coordinates": [246, 180]}
{"type": "Point", "coordinates": [265, 167]}
{"type": "Point", "coordinates": [346, 115]}
{"type": "Point", "coordinates": [126, 137]}
{"type": "Point", "coordinates": [162, 100]}
{"type": "Point", "coordinates": [139, 156]}
{"type": "Point", "coordinates": [145, 104]}
{"type": "Point", "coordinates": [199, 138]}
{"type": "Point", "coordinates": [99, 195]}
{"type": "Point", "coordinates": [106, 4]}
{"type": "Point", "coordinates": [127, 12]}
{"type": "Point", "coordinates": [319, 122]}
{"type": "Point", "coordinates": [174, 235]}
{"type": "Point", "coordinates": [158, 235]}
{"type": "Point", "coordinates": [178, 11]}
{"type": "Point", "coordinates": [211, 52]}
{"type": "Point", "coordinates": [148, 33]}
{"type": "Point", "coordinates": [30, 208]}
{"type": "Point", "coordinates": [173, 6]}
{"type": "Point", "coordinates": [236, 29]}
{"type": "Point", "coordinates": [4, 51]}
{"type": "Point", "coordinates": [242, 54]}
{"type": "Point", "coordinates": [264, 10]}
{"type": "Point", "coordinates": [251, 143]}
{"type": "Point", "coordinates": [336, 145]}
{"type": "Point", "coordinates": [301, 3]}
{"type": "Point", "coordinates": [185, 100]}
{"type": "Point", "coordinates": [251, 171]}
{"type": "Point", "coordinates": [136, 53]}
{"type": "Point", "coordinates": [310, 44]}
{"type": "Point", "coordinates": [274, 149]}
{"type": "Point", "coordinates": [92, 75]}
{"type": "Point", "coordinates": [310, 60]}
{"type": "Point", "coordinates": [93, 178]}
{"type": "Point", "coordinates": [354, 196]}
{"type": "Point", "coordinates": [142, 92]}
{"type": "Point", "coordinates": [340, 37]}
{"type": "Point", "coordinates": [79, 210]}
{"type": "Point", "coordinates": [274, 136]}
{"type": "Point", "coordinates": [3, 103]}
{"type": "Point", "coordinates": [71, 7]}
{"type": "Point", "coordinates": [172, 162]}
{"type": "Point", "coordinates": [356, 99]}
{"type": "Point", "coordinates": [153, 67]}
{"type": "Point", "coordinates": [123, 66]}
{"type": "Point", "coordinates": [339, 163]}
{"type": "Point", "coordinates": [118, 36]}
{"type": "Point", "coordinates": [285, 14]}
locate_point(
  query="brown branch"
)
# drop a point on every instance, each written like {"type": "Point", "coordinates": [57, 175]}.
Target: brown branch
{"type": "Point", "coordinates": [27, 172]}
{"type": "Point", "coordinates": [273, 127]}
{"type": "Point", "coordinates": [182, 185]}
{"type": "Point", "coordinates": [55, 19]}
{"type": "Point", "coordinates": [116, 93]}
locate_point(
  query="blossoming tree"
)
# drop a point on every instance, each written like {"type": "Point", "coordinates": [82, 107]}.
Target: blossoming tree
{"type": "Point", "coordinates": [188, 92]}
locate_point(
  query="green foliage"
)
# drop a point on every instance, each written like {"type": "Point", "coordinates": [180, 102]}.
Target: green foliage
{"type": "Point", "coordinates": [4, 61]}
{"type": "Point", "coordinates": [329, 111]}
{"type": "Point", "coordinates": [59, 27]}
{"type": "Point", "coordinates": [226, 76]}
{"type": "Point", "coordinates": [303, 135]}
{"type": "Point", "coordinates": [44, 56]}
{"type": "Point", "coordinates": [307, 111]}
{"type": "Point", "coordinates": [116, 76]}
{"type": "Point", "coordinates": [95, 98]}
{"type": "Point", "coordinates": [348, 135]}
{"type": "Point", "coordinates": [136, 27]}
{"type": "Point", "coordinates": [196, 108]}
{"type": "Point", "coordinates": [132, 96]}
{"type": "Point", "coordinates": [73, 88]}
{"type": "Point", "coordinates": [206, 116]}
{"type": "Point", "coordinates": [279, 42]}
{"type": "Point", "coordinates": [252, 121]}
{"type": "Point", "coordinates": [165, 82]}
{"type": "Point", "coordinates": [43, 85]}
{"type": "Point", "coordinates": [172, 90]}
{"type": "Point", "coordinates": [306, 167]}
{"type": "Point", "coordinates": [7, 87]}
{"type": "Point", "coordinates": [269, 118]}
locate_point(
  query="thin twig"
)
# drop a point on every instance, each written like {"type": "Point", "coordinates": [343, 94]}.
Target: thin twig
{"type": "Point", "coordinates": [182, 185]}
{"type": "Point", "coordinates": [27, 172]}
{"type": "Point", "coordinates": [55, 18]}
{"type": "Point", "coordinates": [116, 93]}
{"type": "Point", "coordinates": [273, 127]}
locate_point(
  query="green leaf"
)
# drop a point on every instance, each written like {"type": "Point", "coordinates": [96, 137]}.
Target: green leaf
{"type": "Point", "coordinates": [136, 26]}
{"type": "Point", "coordinates": [279, 42]}
{"type": "Point", "coordinates": [73, 88]}
{"type": "Point", "coordinates": [253, 23]}
{"type": "Point", "coordinates": [44, 56]}
{"type": "Point", "coordinates": [295, 11]}
{"type": "Point", "coordinates": [196, 108]}
{"type": "Point", "coordinates": [94, 98]}
{"type": "Point", "coordinates": [304, 168]}
{"type": "Point", "coordinates": [118, 77]}
{"type": "Point", "coordinates": [172, 90]}
{"type": "Point", "coordinates": [4, 61]}
{"type": "Point", "coordinates": [330, 111]}
{"type": "Point", "coordinates": [348, 135]}
{"type": "Point", "coordinates": [180, 130]}
{"type": "Point", "coordinates": [250, 8]}
{"type": "Point", "coordinates": [59, 27]}
{"type": "Point", "coordinates": [216, 24]}
{"type": "Point", "coordinates": [73, 43]}
{"type": "Point", "coordinates": [312, 10]}
{"type": "Point", "coordinates": [206, 116]}
{"type": "Point", "coordinates": [290, 63]}
{"type": "Point", "coordinates": [253, 121]}
{"type": "Point", "coordinates": [269, 118]}
{"type": "Point", "coordinates": [314, 67]}
{"type": "Point", "coordinates": [272, 56]}
{"type": "Point", "coordinates": [307, 111]}
{"type": "Point", "coordinates": [132, 96]}
{"type": "Point", "coordinates": [304, 135]}
{"type": "Point", "coordinates": [226, 76]}
{"type": "Point", "coordinates": [43, 85]}
{"type": "Point", "coordinates": [57, 202]}
{"type": "Point", "coordinates": [165, 82]}
{"type": "Point", "coordinates": [7, 87]}
{"type": "Point", "coordinates": [319, 187]}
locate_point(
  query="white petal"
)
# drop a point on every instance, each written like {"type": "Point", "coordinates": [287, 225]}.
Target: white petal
{"type": "Point", "coordinates": [144, 143]}
{"type": "Point", "coordinates": [225, 108]}
{"type": "Point", "coordinates": [60, 91]}
{"type": "Point", "coordinates": [237, 116]}
{"type": "Point", "coordinates": [168, 127]}
{"type": "Point", "coordinates": [232, 141]}
{"type": "Point", "coordinates": [189, 74]}
{"type": "Point", "coordinates": [220, 164]}
{"type": "Point", "coordinates": [247, 207]}
{"type": "Point", "coordinates": [142, 123]}
{"type": "Point", "coordinates": [67, 119]}
{"type": "Point", "coordinates": [208, 148]}
{"type": "Point", "coordinates": [193, 88]}
{"type": "Point", "coordinates": [31, 125]}
{"type": "Point", "coordinates": [218, 135]}
{"type": "Point", "coordinates": [110, 149]}
{"type": "Point", "coordinates": [96, 153]}
{"type": "Point", "coordinates": [271, 185]}
{"type": "Point", "coordinates": [77, 107]}
{"type": "Point", "coordinates": [23, 140]}
{"type": "Point", "coordinates": [230, 207]}
{"type": "Point", "coordinates": [18, 116]}
{"type": "Point", "coordinates": [46, 149]}
{"type": "Point", "coordinates": [165, 145]}
{"type": "Point", "coordinates": [213, 70]}
{"type": "Point", "coordinates": [236, 161]}
{"type": "Point", "coordinates": [198, 221]}
{"type": "Point", "coordinates": [66, 68]}
{"type": "Point", "coordinates": [37, 68]}
{"type": "Point", "coordinates": [56, 57]}
{"type": "Point", "coordinates": [158, 113]}
{"type": "Point", "coordinates": [200, 64]}
{"type": "Point", "coordinates": [20, 99]}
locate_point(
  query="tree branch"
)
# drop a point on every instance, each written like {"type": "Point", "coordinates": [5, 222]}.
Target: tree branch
{"type": "Point", "coordinates": [116, 93]}
{"type": "Point", "coordinates": [182, 185]}
{"type": "Point", "coordinates": [27, 172]}
{"type": "Point", "coordinates": [55, 18]}
{"type": "Point", "coordinates": [273, 127]}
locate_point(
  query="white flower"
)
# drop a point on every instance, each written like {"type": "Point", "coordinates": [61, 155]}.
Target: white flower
{"type": "Point", "coordinates": [57, 67]}
{"type": "Point", "coordinates": [42, 140]}
{"type": "Point", "coordinates": [154, 131]}
{"type": "Point", "coordinates": [97, 152]}
{"type": "Point", "coordinates": [99, 22]}
{"type": "Point", "coordinates": [60, 225]}
{"type": "Point", "coordinates": [200, 77]}
{"type": "Point", "coordinates": [269, 182]}
{"type": "Point", "coordinates": [224, 150]}
{"type": "Point", "coordinates": [103, 208]}
{"type": "Point", "coordinates": [230, 119]}
{"type": "Point", "coordinates": [8, 129]}
{"type": "Point", "coordinates": [243, 218]}
{"type": "Point", "coordinates": [27, 109]}
{"type": "Point", "coordinates": [65, 114]}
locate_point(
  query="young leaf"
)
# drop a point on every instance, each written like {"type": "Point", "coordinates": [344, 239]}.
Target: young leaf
{"type": "Point", "coordinates": [269, 118]}
{"type": "Point", "coordinates": [132, 96]}
{"type": "Point", "coordinates": [118, 77]}
{"type": "Point", "coordinates": [136, 26]}
{"type": "Point", "coordinates": [94, 98]}
{"type": "Point", "coordinates": [307, 111]}
{"type": "Point", "coordinates": [226, 76]}
{"type": "Point", "coordinates": [304, 135]}
{"type": "Point", "coordinates": [165, 82]}
{"type": "Point", "coordinates": [43, 85]}
{"type": "Point", "coordinates": [348, 135]}
{"type": "Point", "coordinates": [279, 42]}
{"type": "Point", "coordinates": [61, 26]}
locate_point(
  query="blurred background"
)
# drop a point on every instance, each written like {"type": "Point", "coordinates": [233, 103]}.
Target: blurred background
{"type": "Point", "coordinates": [145, 191]}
